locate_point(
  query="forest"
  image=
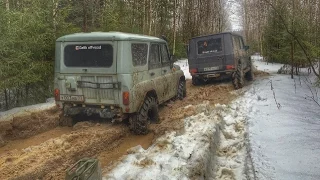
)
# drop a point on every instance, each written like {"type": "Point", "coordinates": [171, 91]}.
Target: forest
{"type": "Point", "coordinates": [284, 31]}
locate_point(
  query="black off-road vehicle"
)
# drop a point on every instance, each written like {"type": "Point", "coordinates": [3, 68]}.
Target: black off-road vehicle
{"type": "Point", "coordinates": [219, 56]}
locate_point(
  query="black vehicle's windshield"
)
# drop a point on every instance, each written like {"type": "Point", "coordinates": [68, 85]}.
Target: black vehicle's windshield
{"type": "Point", "coordinates": [209, 46]}
{"type": "Point", "coordinates": [80, 55]}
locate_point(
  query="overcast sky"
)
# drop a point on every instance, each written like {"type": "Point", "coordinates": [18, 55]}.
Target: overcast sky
{"type": "Point", "coordinates": [235, 16]}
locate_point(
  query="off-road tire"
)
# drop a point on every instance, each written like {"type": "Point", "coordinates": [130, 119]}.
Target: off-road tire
{"type": "Point", "coordinates": [182, 90]}
{"type": "Point", "coordinates": [249, 74]}
{"type": "Point", "coordinates": [66, 120]}
{"type": "Point", "coordinates": [139, 122]}
{"type": "Point", "coordinates": [237, 80]}
{"type": "Point", "coordinates": [196, 81]}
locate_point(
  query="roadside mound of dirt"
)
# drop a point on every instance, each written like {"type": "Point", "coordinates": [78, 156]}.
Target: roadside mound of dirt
{"type": "Point", "coordinates": [50, 159]}
{"type": "Point", "coordinates": [260, 73]}
{"type": "Point", "coordinates": [28, 124]}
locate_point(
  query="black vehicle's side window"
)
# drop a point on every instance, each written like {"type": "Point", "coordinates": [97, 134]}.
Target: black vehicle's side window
{"type": "Point", "coordinates": [241, 43]}
{"type": "Point", "coordinates": [236, 43]}
{"type": "Point", "coordinates": [154, 57]}
{"type": "Point", "coordinates": [165, 59]}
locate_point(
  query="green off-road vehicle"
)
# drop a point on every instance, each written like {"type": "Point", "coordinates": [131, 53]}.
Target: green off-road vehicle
{"type": "Point", "coordinates": [116, 76]}
{"type": "Point", "coordinates": [219, 56]}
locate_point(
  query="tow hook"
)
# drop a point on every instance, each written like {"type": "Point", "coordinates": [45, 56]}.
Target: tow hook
{"type": "Point", "coordinates": [106, 113]}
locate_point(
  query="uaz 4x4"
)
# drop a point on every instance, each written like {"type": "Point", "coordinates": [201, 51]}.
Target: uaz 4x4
{"type": "Point", "coordinates": [219, 56]}
{"type": "Point", "coordinates": [116, 76]}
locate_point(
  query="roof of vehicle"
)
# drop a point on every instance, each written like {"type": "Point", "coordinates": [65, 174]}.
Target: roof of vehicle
{"type": "Point", "coordinates": [108, 36]}
{"type": "Point", "coordinates": [232, 33]}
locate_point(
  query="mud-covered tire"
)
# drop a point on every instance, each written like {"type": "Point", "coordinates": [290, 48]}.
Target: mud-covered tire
{"type": "Point", "coordinates": [65, 120]}
{"type": "Point", "coordinates": [182, 90]}
{"type": "Point", "coordinates": [139, 122]}
{"type": "Point", "coordinates": [237, 80]}
{"type": "Point", "coordinates": [249, 74]}
{"type": "Point", "coordinates": [196, 81]}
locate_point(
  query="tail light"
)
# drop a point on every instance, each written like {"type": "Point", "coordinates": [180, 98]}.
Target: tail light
{"type": "Point", "coordinates": [57, 94]}
{"type": "Point", "coordinates": [193, 71]}
{"type": "Point", "coordinates": [125, 98]}
{"type": "Point", "coordinates": [229, 67]}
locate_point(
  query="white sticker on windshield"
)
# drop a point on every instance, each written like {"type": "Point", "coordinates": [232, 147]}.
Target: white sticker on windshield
{"type": "Point", "coordinates": [87, 47]}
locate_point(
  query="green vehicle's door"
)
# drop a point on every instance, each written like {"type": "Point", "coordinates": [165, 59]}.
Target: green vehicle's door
{"type": "Point", "coordinates": [170, 82]}
{"type": "Point", "coordinates": [155, 71]}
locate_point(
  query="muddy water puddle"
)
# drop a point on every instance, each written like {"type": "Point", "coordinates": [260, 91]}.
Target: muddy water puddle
{"type": "Point", "coordinates": [109, 158]}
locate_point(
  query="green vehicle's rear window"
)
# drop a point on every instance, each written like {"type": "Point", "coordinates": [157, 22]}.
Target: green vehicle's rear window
{"type": "Point", "coordinates": [84, 55]}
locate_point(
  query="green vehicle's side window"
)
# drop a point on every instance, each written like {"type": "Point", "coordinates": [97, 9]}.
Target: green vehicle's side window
{"type": "Point", "coordinates": [165, 55]}
{"type": "Point", "coordinates": [139, 53]}
{"type": "Point", "coordinates": [154, 57]}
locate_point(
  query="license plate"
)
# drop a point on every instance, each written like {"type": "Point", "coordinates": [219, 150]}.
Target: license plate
{"type": "Point", "coordinates": [211, 68]}
{"type": "Point", "coordinates": [72, 98]}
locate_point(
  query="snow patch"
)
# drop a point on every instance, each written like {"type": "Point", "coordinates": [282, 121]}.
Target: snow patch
{"type": "Point", "coordinates": [211, 145]}
{"type": "Point", "coordinates": [183, 63]}
{"type": "Point", "coordinates": [7, 115]}
{"type": "Point", "coordinates": [283, 142]}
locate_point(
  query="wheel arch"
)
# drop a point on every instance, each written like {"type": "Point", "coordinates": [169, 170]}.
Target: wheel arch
{"type": "Point", "coordinates": [151, 92]}
{"type": "Point", "coordinates": [181, 78]}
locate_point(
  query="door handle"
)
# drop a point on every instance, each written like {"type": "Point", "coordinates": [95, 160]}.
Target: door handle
{"type": "Point", "coordinates": [152, 74]}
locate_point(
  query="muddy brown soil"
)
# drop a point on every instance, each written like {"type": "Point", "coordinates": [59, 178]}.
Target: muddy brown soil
{"type": "Point", "coordinates": [28, 124]}
{"type": "Point", "coordinates": [45, 153]}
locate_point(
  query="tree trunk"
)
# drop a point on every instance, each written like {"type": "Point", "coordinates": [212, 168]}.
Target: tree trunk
{"type": "Point", "coordinates": [174, 27]}
{"type": "Point", "coordinates": [150, 17]}
{"type": "Point", "coordinates": [85, 16]}
{"type": "Point", "coordinates": [6, 99]}
{"type": "Point", "coordinates": [27, 94]}
{"type": "Point", "coordinates": [7, 5]}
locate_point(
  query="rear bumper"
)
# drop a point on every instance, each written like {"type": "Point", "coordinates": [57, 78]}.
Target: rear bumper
{"type": "Point", "coordinates": [106, 112]}
{"type": "Point", "coordinates": [213, 74]}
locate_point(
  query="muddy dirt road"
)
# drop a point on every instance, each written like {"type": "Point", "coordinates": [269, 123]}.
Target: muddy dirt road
{"type": "Point", "coordinates": [32, 149]}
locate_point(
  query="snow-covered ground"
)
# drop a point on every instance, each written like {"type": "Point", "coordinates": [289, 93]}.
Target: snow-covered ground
{"type": "Point", "coordinates": [7, 115]}
{"type": "Point", "coordinates": [211, 145]}
{"type": "Point", "coordinates": [275, 112]}
{"type": "Point", "coordinates": [183, 63]}
{"type": "Point", "coordinates": [285, 141]}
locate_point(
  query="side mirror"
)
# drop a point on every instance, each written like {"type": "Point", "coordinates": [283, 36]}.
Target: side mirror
{"type": "Point", "coordinates": [187, 48]}
{"type": "Point", "coordinates": [246, 47]}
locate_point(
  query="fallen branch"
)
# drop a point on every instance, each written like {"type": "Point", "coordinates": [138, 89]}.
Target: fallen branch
{"type": "Point", "coordinates": [295, 86]}
{"type": "Point", "coordinates": [274, 95]}
{"type": "Point", "coordinates": [314, 95]}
